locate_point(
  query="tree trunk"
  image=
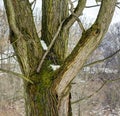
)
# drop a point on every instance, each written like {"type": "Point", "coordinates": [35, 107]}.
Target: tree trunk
{"type": "Point", "coordinates": [49, 93]}
{"type": "Point", "coordinates": [45, 102]}
{"type": "Point", "coordinates": [53, 13]}
{"type": "Point", "coordinates": [40, 102]}
{"type": "Point", "coordinates": [41, 97]}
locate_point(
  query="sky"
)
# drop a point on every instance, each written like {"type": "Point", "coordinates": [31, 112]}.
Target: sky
{"type": "Point", "coordinates": [90, 13]}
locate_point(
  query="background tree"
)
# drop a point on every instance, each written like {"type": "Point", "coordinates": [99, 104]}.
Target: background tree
{"type": "Point", "coordinates": [47, 92]}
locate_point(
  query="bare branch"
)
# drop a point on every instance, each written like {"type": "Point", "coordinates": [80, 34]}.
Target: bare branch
{"type": "Point", "coordinates": [102, 60]}
{"type": "Point", "coordinates": [99, 5]}
{"type": "Point", "coordinates": [16, 74]}
{"type": "Point", "coordinates": [33, 3]}
{"type": "Point", "coordinates": [11, 18]}
{"type": "Point", "coordinates": [78, 11]}
{"type": "Point", "coordinates": [98, 90]}
{"type": "Point", "coordinates": [93, 6]}
{"type": "Point", "coordinates": [19, 37]}
{"type": "Point", "coordinates": [77, 18]}
{"type": "Point", "coordinates": [51, 44]}
{"type": "Point", "coordinates": [118, 3]}
{"type": "Point", "coordinates": [118, 6]}
{"type": "Point", "coordinates": [7, 57]}
{"type": "Point", "coordinates": [74, 1]}
{"type": "Point", "coordinates": [87, 44]}
{"type": "Point", "coordinates": [85, 98]}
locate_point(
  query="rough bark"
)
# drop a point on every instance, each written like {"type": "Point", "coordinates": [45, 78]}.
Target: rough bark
{"type": "Point", "coordinates": [86, 45]}
{"type": "Point", "coordinates": [23, 35]}
{"type": "Point", "coordinates": [28, 50]}
{"type": "Point", "coordinates": [53, 12]}
{"type": "Point", "coordinates": [77, 12]}
{"type": "Point", "coordinates": [40, 100]}
{"type": "Point", "coordinates": [49, 93]}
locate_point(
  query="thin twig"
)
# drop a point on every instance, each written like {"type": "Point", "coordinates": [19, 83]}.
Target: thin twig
{"type": "Point", "coordinates": [16, 74]}
{"type": "Point", "coordinates": [85, 98]}
{"type": "Point", "coordinates": [118, 3]}
{"type": "Point", "coordinates": [118, 6]}
{"type": "Point", "coordinates": [99, 5]}
{"type": "Point", "coordinates": [103, 83]}
{"type": "Point", "coordinates": [50, 46]}
{"type": "Point", "coordinates": [102, 60]}
{"type": "Point", "coordinates": [33, 3]}
{"type": "Point", "coordinates": [7, 57]}
{"type": "Point", "coordinates": [92, 6]}
{"type": "Point", "coordinates": [6, 53]}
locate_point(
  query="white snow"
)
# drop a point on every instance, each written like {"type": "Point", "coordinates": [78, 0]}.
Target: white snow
{"type": "Point", "coordinates": [55, 67]}
{"type": "Point", "coordinates": [100, 69]}
{"type": "Point", "coordinates": [1, 73]}
{"type": "Point", "coordinates": [82, 81]}
{"type": "Point", "coordinates": [44, 45]}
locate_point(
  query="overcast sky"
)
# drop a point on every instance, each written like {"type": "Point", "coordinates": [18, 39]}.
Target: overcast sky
{"type": "Point", "coordinates": [90, 13]}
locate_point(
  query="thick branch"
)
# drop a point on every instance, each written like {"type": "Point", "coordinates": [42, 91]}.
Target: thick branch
{"type": "Point", "coordinates": [106, 13]}
{"type": "Point", "coordinates": [78, 11]}
{"type": "Point", "coordinates": [50, 46]}
{"type": "Point", "coordinates": [11, 17]}
{"type": "Point", "coordinates": [87, 44]}
{"type": "Point", "coordinates": [77, 18]}
{"type": "Point", "coordinates": [23, 35]}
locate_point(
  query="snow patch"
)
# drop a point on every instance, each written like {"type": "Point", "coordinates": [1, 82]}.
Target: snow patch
{"type": "Point", "coordinates": [1, 74]}
{"type": "Point", "coordinates": [55, 67]}
{"type": "Point", "coordinates": [44, 45]}
{"type": "Point", "coordinates": [82, 81]}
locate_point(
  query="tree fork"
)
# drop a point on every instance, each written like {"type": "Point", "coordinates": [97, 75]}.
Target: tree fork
{"type": "Point", "coordinates": [53, 13]}
{"type": "Point", "coordinates": [49, 93]}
